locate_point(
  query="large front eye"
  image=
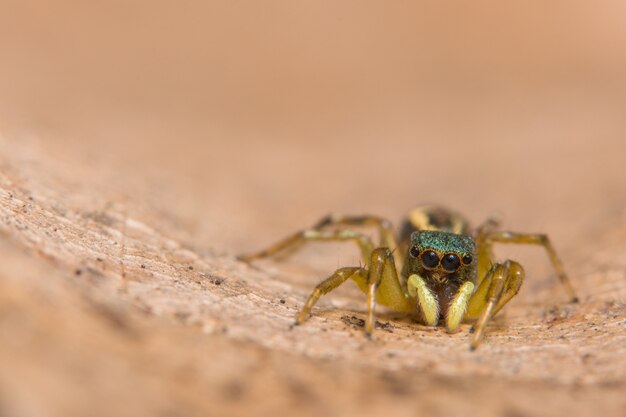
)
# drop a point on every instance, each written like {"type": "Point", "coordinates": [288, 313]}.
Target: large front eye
{"type": "Point", "coordinates": [450, 262]}
{"type": "Point", "coordinates": [430, 259]}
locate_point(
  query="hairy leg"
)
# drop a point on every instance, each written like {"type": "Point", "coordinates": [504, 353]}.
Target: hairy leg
{"type": "Point", "coordinates": [387, 238]}
{"type": "Point", "coordinates": [318, 233]}
{"type": "Point", "coordinates": [385, 228]}
{"type": "Point", "coordinates": [501, 283]}
{"type": "Point", "coordinates": [363, 242]}
{"type": "Point", "coordinates": [379, 282]}
{"type": "Point", "coordinates": [335, 280]}
{"type": "Point", "coordinates": [383, 285]}
{"type": "Point", "coordinates": [541, 240]}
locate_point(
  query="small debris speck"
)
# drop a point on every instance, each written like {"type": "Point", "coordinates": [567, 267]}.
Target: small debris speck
{"type": "Point", "coordinates": [216, 281]}
{"type": "Point", "coordinates": [143, 266]}
{"type": "Point", "coordinates": [356, 322]}
{"type": "Point", "coordinates": [282, 301]}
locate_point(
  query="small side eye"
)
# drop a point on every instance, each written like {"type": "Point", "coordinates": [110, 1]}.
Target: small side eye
{"type": "Point", "coordinates": [450, 262]}
{"type": "Point", "coordinates": [414, 251]}
{"type": "Point", "coordinates": [430, 259]}
{"type": "Point", "coordinates": [467, 259]}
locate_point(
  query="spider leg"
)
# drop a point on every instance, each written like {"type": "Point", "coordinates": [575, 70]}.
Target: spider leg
{"type": "Point", "coordinates": [380, 283]}
{"type": "Point", "coordinates": [501, 283]}
{"type": "Point", "coordinates": [385, 228]}
{"type": "Point", "coordinates": [335, 280]}
{"type": "Point", "coordinates": [383, 286]}
{"type": "Point", "coordinates": [537, 239]}
{"type": "Point", "coordinates": [512, 285]}
{"type": "Point", "coordinates": [386, 234]}
{"type": "Point", "coordinates": [363, 242]}
{"type": "Point", "coordinates": [287, 245]}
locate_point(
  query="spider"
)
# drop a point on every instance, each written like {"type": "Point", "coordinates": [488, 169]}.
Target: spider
{"type": "Point", "coordinates": [447, 276]}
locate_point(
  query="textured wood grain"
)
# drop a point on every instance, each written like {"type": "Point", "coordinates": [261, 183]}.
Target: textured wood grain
{"type": "Point", "coordinates": [104, 313]}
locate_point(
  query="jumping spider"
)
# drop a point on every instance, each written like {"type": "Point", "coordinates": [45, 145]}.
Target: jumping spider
{"type": "Point", "coordinates": [448, 274]}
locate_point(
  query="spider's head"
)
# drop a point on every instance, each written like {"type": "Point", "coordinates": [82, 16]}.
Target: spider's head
{"type": "Point", "coordinates": [441, 257]}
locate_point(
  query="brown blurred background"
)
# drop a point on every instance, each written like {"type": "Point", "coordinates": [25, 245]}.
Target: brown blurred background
{"type": "Point", "coordinates": [346, 106]}
{"type": "Point", "coordinates": [226, 125]}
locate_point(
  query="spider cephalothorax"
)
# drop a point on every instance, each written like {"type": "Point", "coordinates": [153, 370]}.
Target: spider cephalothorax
{"type": "Point", "coordinates": [444, 260]}
{"type": "Point", "coordinates": [442, 256]}
{"type": "Point", "coordinates": [448, 274]}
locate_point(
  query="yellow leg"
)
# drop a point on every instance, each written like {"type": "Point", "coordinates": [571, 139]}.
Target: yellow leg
{"type": "Point", "coordinates": [478, 300]}
{"type": "Point", "coordinates": [335, 280]}
{"type": "Point", "coordinates": [537, 239]}
{"type": "Point", "coordinates": [383, 285]}
{"type": "Point", "coordinates": [380, 283]}
{"type": "Point", "coordinates": [364, 243]}
{"type": "Point", "coordinates": [384, 226]}
{"type": "Point", "coordinates": [513, 285]}
{"type": "Point", "coordinates": [426, 299]}
{"type": "Point", "coordinates": [387, 238]}
{"type": "Point", "coordinates": [458, 305]}
{"type": "Point", "coordinates": [499, 286]}
{"type": "Point", "coordinates": [496, 278]}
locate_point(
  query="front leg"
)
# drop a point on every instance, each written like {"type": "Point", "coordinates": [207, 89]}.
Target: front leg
{"type": "Point", "coordinates": [499, 286]}
{"type": "Point", "coordinates": [383, 283]}
{"type": "Point", "coordinates": [380, 283]}
{"type": "Point", "coordinates": [335, 280]}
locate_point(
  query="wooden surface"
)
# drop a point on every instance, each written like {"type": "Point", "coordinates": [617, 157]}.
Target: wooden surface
{"type": "Point", "coordinates": [103, 307]}
{"type": "Point", "coordinates": [135, 164]}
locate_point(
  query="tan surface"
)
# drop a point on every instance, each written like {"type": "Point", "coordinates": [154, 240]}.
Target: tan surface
{"type": "Point", "coordinates": [142, 147]}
